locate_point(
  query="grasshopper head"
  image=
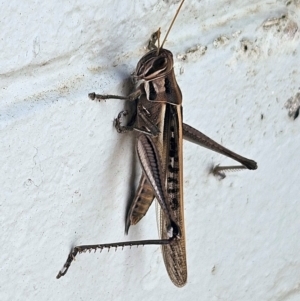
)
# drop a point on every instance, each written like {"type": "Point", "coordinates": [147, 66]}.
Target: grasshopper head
{"type": "Point", "coordinates": [154, 65]}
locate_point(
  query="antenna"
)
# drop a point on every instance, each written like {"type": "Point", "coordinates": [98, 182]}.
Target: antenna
{"type": "Point", "coordinates": [158, 41]}
{"type": "Point", "coordinates": [171, 25]}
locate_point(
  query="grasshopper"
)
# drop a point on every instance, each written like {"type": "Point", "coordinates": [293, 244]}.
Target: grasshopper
{"type": "Point", "coordinates": [159, 132]}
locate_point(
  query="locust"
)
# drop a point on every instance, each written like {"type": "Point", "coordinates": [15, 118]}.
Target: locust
{"type": "Point", "coordinates": [160, 131]}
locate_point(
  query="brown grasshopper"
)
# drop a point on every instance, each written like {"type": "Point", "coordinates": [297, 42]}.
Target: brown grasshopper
{"type": "Point", "coordinates": [160, 130]}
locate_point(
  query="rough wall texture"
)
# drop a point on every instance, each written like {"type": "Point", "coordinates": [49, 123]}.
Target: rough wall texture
{"type": "Point", "coordinates": [66, 174]}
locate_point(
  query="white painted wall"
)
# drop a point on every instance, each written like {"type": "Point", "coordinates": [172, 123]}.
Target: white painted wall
{"type": "Point", "coordinates": [66, 173]}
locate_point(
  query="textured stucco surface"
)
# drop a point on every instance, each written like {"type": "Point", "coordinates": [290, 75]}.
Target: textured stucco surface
{"type": "Point", "coordinates": [66, 174]}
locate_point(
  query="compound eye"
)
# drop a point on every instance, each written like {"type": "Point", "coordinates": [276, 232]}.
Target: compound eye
{"type": "Point", "coordinates": [159, 64]}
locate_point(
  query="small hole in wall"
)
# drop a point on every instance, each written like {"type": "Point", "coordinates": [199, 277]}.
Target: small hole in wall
{"type": "Point", "coordinates": [296, 113]}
